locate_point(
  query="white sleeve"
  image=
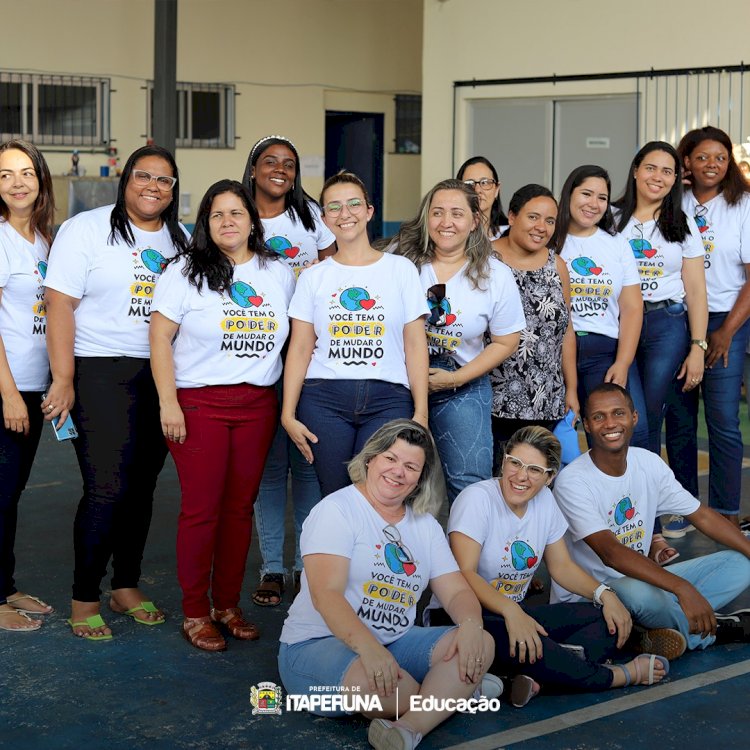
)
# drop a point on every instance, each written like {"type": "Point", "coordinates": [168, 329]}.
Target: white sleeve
{"type": "Point", "coordinates": [4, 264]}
{"type": "Point", "coordinates": [413, 298]}
{"type": "Point", "coordinates": [744, 212]}
{"type": "Point", "coordinates": [301, 305]}
{"type": "Point", "coordinates": [577, 501]}
{"type": "Point", "coordinates": [630, 275]}
{"type": "Point", "coordinates": [287, 280]}
{"type": "Point", "coordinates": [442, 560]}
{"type": "Point", "coordinates": [69, 258]}
{"type": "Point", "coordinates": [557, 523]}
{"type": "Point", "coordinates": [692, 247]}
{"type": "Point", "coordinates": [171, 293]}
{"type": "Point", "coordinates": [673, 497]}
{"type": "Point", "coordinates": [507, 311]}
{"type": "Point", "coordinates": [324, 237]}
{"type": "Point", "coordinates": [328, 531]}
{"type": "Point", "coordinates": [470, 514]}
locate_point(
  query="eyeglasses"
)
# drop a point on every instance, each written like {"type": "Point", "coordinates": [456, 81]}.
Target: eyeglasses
{"type": "Point", "coordinates": [393, 535]}
{"type": "Point", "coordinates": [439, 306]}
{"type": "Point", "coordinates": [484, 184]}
{"type": "Point", "coordinates": [334, 208]}
{"type": "Point", "coordinates": [142, 178]}
{"type": "Point", "coordinates": [534, 471]}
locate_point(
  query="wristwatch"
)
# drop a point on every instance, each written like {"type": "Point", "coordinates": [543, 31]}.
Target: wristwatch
{"type": "Point", "coordinates": [702, 343]}
{"type": "Point", "coordinates": [597, 598]}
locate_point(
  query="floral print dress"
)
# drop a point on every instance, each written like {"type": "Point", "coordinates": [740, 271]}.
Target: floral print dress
{"type": "Point", "coordinates": [529, 384]}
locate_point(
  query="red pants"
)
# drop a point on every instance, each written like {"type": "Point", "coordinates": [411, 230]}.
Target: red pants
{"type": "Point", "coordinates": [220, 464]}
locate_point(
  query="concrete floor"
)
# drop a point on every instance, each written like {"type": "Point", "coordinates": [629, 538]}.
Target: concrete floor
{"type": "Point", "coordinates": [148, 688]}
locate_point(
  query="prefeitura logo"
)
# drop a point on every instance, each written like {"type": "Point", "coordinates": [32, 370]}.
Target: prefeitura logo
{"type": "Point", "coordinates": [265, 698]}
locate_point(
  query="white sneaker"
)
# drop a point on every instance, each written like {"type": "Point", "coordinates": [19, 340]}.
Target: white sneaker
{"type": "Point", "coordinates": [387, 735]}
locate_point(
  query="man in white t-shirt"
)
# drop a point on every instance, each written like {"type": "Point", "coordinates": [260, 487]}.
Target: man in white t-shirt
{"type": "Point", "coordinates": [610, 497]}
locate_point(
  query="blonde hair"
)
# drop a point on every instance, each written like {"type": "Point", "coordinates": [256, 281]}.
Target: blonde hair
{"type": "Point", "coordinates": [541, 439]}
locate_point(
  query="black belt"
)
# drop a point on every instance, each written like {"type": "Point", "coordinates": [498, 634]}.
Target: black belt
{"type": "Point", "coordinates": [661, 304]}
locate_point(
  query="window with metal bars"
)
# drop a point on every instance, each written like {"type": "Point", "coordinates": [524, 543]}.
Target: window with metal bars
{"type": "Point", "coordinates": [205, 115]}
{"type": "Point", "coordinates": [408, 124]}
{"type": "Point", "coordinates": [52, 110]}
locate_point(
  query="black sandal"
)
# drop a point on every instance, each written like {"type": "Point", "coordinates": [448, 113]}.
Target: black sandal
{"type": "Point", "coordinates": [271, 587]}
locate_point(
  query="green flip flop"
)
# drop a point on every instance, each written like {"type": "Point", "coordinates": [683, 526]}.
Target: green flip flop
{"type": "Point", "coordinates": [93, 622]}
{"type": "Point", "coordinates": [148, 607]}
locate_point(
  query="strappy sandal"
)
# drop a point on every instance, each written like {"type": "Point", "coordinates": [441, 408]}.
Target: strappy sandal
{"type": "Point", "coordinates": [661, 552]}
{"type": "Point", "coordinates": [271, 586]}
{"type": "Point", "coordinates": [203, 634]}
{"type": "Point", "coordinates": [46, 608]}
{"type": "Point", "coordinates": [32, 624]}
{"type": "Point", "coordinates": [236, 624]}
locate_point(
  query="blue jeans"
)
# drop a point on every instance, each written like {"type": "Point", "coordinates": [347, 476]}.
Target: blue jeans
{"type": "Point", "coordinates": [344, 414]}
{"type": "Point", "coordinates": [721, 398]}
{"type": "Point", "coordinates": [461, 426]}
{"type": "Point", "coordinates": [719, 577]}
{"type": "Point", "coordinates": [662, 348]}
{"type": "Point", "coordinates": [595, 354]}
{"type": "Point", "coordinates": [270, 507]}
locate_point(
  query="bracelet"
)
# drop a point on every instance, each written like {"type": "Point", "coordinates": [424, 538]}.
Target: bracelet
{"type": "Point", "coordinates": [597, 598]}
{"type": "Point", "coordinates": [471, 619]}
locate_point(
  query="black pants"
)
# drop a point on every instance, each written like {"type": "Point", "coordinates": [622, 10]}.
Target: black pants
{"type": "Point", "coordinates": [17, 453]}
{"type": "Point", "coordinates": [502, 431]}
{"type": "Point", "coordinates": [120, 450]}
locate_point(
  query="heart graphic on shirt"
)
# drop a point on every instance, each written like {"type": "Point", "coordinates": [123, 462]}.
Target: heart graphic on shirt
{"type": "Point", "coordinates": [255, 300]}
{"type": "Point", "coordinates": [531, 562]}
{"type": "Point", "coordinates": [450, 318]}
{"type": "Point", "coordinates": [377, 546]}
{"type": "Point", "coordinates": [629, 513]}
{"type": "Point", "coordinates": [596, 270]}
{"type": "Point", "coordinates": [409, 568]}
{"type": "Point", "coordinates": [292, 252]}
{"type": "Point", "coordinates": [367, 304]}
{"type": "Point", "coordinates": [650, 253]}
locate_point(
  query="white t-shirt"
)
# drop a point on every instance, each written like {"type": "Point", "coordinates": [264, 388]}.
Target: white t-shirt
{"type": "Point", "coordinates": [725, 231]}
{"type": "Point", "coordinates": [359, 314]}
{"type": "Point", "coordinates": [389, 566]}
{"type": "Point", "coordinates": [23, 325]}
{"type": "Point", "coordinates": [599, 267]}
{"type": "Point", "coordinates": [470, 313]}
{"type": "Point", "coordinates": [512, 547]}
{"type": "Point", "coordinates": [115, 283]}
{"type": "Point", "coordinates": [231, 337]}
{"type": "Point", "coordinates": [295, 245]}
{"type": "Point", "coordinates": [660, 262]}
{"type": "Point", "coordinates": [593, 501]}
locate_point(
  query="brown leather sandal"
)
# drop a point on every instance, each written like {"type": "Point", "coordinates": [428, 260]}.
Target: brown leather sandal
{"type": "Point", "coordinates": [236, 624]}
{"type": "Point", "coordinates": [203, 634]}
{"type": "Point", "coordinates": [270, 590]}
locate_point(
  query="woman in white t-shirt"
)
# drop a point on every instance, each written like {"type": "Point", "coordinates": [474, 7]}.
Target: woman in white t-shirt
{"type": "Point", "coordinates": [719, 200]}
{"type": "Point", "coordinates": [668, 251]}
{"type": "Point", "coordinates": [294, 230]}
{"type": "Point", "coordinates": [26, 218]}
{"type": "Point", "coordinates": [480, 174]}
{"type": "Point", "coordinates": [102, 271]}
{"type": "Point", "coordinates": [472, 297]}
{"type": "Point", "coordinates": [218, 326]}
{"type": "Point", "coordinates": [357, 355]}
{"type": "Point", "coordinates": [369, 550]}
{"type": "Point", "coordinates": [499, 531]}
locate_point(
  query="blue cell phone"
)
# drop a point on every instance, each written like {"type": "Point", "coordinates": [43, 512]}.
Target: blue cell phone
{"type": "Point", "coordinates": [67, 431]}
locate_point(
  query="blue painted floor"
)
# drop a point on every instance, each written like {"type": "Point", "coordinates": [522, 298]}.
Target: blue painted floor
{"type": "Point", "coordinates": [148, 688]}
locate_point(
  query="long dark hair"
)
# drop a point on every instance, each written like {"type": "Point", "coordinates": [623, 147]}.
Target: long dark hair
{"type": "Point", "coordinates": [733, 186]}
{"type": "Point", "coordinates": [118, 219]}
{"type": "Point", "coordinates": [497, 215]}
{"type": "Point", "coordinates": [575, 179]}
{"type": "Point", "coordinates": [296, 201]}
{"type": "Point", "coordinates": [43, 213]}
{"type": "Point", "coordinates": [671, 219]}
{"type": "Point", "coordinates": [204, 262]}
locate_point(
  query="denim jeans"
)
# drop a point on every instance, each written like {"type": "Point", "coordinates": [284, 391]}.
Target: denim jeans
{"type": "Point", "coordinates": [595, 354]}
{"type": "Point", "coordinates": [721, 398]}
{"type": "Point", "coordinates": [461, 426]}
{"type": "Point", "coordinates": [270, 507]}
{"type": "Point", "coordinates": [719, 577]}
{"type": "Point", "coordinates": [663, 346]}
{"type": "Point", "coordinates": [121, 450]}
{"type": "Point", "coordinates": [344, 414]}
{"type": "Point", "coordinates": [17, 453]}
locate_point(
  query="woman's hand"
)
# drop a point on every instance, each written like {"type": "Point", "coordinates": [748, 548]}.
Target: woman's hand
{"type": "Point", "coordinates": [617, 617]}
{"type": "Point", "coordinates": [692, 369]}
{"type": "Point", "coordinates": [421, 419]}
{"type": "Point", "coordinates": [173, 423]}
{"type": "Point", "coordinates": [381, 668]}
{"type": "Point", "coordinates": [618, 374]}
{"type": "Point", "coordinates": [572, 404]}
{"type": "Point", "coordinates": [301, 436]}
{"type": "Point", "coordinates": [61, 397]}
{"type": "Point", "coordinates": [468, 642]}
{"type": "Point", "coordinates": [15, 413]}
{"type": "Point", "coordinates": [523, 634]}
{"type": "Point", "coordinates": [441, 380]}
{"type": "Point", "coordinates": [719, 342]}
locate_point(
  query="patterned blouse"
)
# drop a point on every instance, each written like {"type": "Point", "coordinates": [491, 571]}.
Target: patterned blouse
{"type": "Point", "coordinates": [529, 384]}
